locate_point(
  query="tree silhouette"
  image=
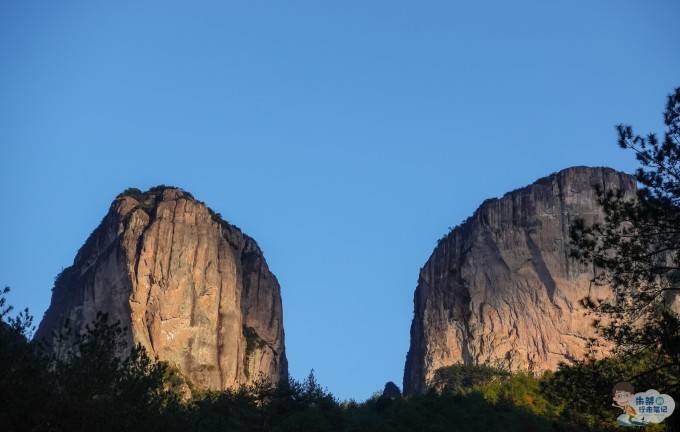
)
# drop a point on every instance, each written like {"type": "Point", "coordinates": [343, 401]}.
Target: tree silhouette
{"type": "Point", "coordinates": [636, 250]}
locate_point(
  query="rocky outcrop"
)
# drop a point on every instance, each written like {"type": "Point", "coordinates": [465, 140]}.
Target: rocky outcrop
{"type": "Point", "coordinates": [391, 391]}
{"type": "Point", "coordinates": [192, 289]}
{"type": "Point", "coordinates": [501, 288]}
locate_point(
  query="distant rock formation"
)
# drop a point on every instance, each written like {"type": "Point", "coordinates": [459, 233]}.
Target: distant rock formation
{"type": "Point", "coordinates": [391, 391]}
{"type": "Point", "coordinates": [191, 288]}
{"type": "Point", "coordinates": [501, 288]}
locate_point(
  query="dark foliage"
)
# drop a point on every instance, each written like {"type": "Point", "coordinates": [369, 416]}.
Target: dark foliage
{"type": "Point", "coordinates": [636, 250]}
{"type": "Point", "coordinates": [101, 385]}
{"type": "Point", "coordinates": [582, 391]}
{"type": "Point", "coordinates": [458, 378]}
{"type": "Point", "coordinates": [92, 387]}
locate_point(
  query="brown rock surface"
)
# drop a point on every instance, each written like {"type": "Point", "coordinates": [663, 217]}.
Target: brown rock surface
{"type": "Point", "coordinates": [501, 288]}
{"type": "Point", "coordinates": [192, 289]}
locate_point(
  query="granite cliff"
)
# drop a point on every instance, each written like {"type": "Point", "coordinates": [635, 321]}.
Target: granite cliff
{"type": "Point", "coordinates": [191, 288]}
{"type": "Point", "coordinates": [501, 288]}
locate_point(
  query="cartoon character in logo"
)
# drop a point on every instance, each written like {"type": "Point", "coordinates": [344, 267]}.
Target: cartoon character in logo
{"type": "Point", "coordinates": [623, 398]}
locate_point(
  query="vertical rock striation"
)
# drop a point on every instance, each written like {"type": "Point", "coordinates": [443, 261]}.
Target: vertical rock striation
{"type": "Point", "coordinates": [501, 288]}
{"type": "Point", "coordinates": [192, 289]}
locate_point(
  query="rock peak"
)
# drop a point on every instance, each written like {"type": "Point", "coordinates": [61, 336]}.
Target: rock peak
{"type": "Point", "coordinates": [501, 288]}
{"type": "Point", "coordinates": [191, 288]}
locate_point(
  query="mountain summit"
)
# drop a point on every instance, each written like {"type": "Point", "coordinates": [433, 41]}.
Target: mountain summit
{"type": "Point", "coordinates": [501, 289]}
{"type": "Point", "coordinates": [191, 288]}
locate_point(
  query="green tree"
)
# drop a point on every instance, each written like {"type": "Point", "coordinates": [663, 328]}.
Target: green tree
{"type": "Point", "coordinates": [458, 378]}
{"type": "Point", "coordinates": [636, 250]}
{"type": "Point", "coordinates": [25, 382]}
{"type": "Point", "coordinates": [104, 386]}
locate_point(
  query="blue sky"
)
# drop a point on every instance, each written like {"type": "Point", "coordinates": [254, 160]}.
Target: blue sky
{"type": "Point", "coordinates": [345, 137]}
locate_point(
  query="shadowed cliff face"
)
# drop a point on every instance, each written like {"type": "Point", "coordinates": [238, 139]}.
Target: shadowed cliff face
{"type": "Point", "coordinates": [192, 289]}
{"type": "Point", "coordinates": [501, 289]}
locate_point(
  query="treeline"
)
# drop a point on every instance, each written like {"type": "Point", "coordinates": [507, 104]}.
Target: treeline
{"type": "Point", "coordinates": [93, 389]}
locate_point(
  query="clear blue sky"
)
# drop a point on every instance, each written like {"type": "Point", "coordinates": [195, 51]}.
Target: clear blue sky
{"type": "Point", "coordinates": [345, 137]}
